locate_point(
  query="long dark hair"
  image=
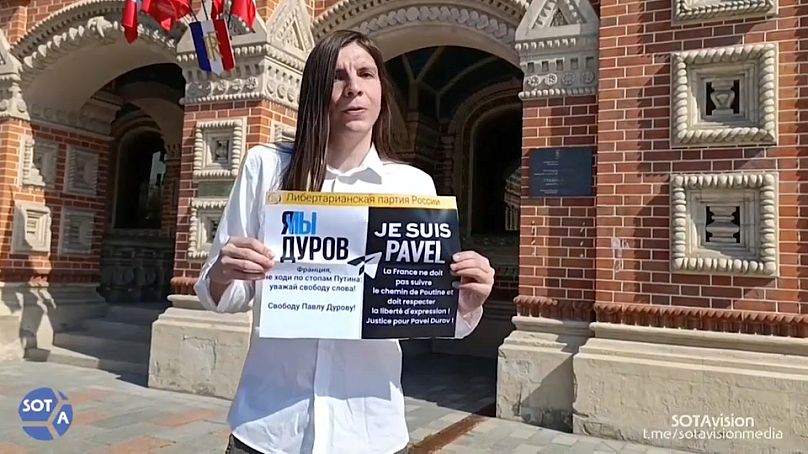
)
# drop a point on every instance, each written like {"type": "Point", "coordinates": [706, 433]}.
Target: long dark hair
{"type": "Point", "coordinates": [306, 171]}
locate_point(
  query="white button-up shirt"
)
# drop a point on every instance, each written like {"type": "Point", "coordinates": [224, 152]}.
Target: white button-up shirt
{"type": "Point", "coordinates": [310, 395]}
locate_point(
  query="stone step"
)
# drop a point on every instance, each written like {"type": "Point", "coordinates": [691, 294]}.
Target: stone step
{"type": "Point", "coordinates": [135, 314]}
{"type": "Point", "coordinates": [136, 351]}
{"type": "Point", "coordinates": [100, 327]}
{"type": "Point", "coordinates": [86, 359]}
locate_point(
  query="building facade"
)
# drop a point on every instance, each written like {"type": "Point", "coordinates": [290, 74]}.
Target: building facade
{"type": "Point", "coordinates": [636, 170]}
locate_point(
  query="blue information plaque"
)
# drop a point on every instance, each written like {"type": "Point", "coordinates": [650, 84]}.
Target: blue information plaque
{"type": "Point", "coordinates": [561, 172]}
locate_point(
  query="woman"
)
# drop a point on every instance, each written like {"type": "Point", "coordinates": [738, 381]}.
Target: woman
{"type": "Point", "coordinates": [309, 395]}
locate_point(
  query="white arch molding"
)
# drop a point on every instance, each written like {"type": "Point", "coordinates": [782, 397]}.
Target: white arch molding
{"type": "Point", "coordinates": [82, 47]}
{"type": "Point", "coordinates": [401, 26]}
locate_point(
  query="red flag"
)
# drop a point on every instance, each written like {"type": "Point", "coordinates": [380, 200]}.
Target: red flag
{"type": "Point", "coordinates": [129, 20]}
{"type": "Point", "coordinates": [245, 9]}
{"type": "Point", "coordinates": [216, 8]}
{"type": "Point", "coordinates": [166, 12]}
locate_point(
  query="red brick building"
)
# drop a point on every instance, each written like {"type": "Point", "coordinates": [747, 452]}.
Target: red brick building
{"type": "Point", "coordinates": [672, 266]}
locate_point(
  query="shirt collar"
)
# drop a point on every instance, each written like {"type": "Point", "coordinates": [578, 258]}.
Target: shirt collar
{"type": "Point", "coordinates": [371, 162]}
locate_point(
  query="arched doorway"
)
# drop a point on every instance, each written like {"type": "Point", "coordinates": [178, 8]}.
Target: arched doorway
{"type": "Point", "coordinates": [463, 117]}
{"type": "Point", "coordinates": [452, 62]}
{"type": "Point", "coordinates": [494, 167]}
{"type": "Point", "coordinates": [138, 245]}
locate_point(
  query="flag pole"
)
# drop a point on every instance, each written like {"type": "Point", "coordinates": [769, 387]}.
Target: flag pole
{"type": "Point", "coordinates": [205, 8]}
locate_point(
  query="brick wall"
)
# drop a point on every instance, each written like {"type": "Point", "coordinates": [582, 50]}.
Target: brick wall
{"type": "Point", "coordinates": [260, 114]}
{"type": "Point", "coordinates": [40, 9]}
{"type": "Point", "coordinates": [13, 17]}
{"type": "Point", "coordinates": [64, 268]}
{"type": "Point", "coordinates": [635, 158]}
{"type": "Point", "coordinates": [11, 136]}
{"type": "Point", "coordinates": [556, 256]}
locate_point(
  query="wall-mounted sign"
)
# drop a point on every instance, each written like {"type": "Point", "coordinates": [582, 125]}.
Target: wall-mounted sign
{"type": "Point", "coordinates": [561, 172]}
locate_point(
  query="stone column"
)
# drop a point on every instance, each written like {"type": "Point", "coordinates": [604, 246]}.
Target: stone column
{"type": "Point", "coordinates": [201, 351]}
{"type": "Point", "coordinates": [536, 382]}
{"type": "Point", "coordinates": [14, 125]}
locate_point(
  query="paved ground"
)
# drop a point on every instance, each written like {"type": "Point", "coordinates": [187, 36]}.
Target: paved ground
{"type": "Point", "coordinates": [116, 414]}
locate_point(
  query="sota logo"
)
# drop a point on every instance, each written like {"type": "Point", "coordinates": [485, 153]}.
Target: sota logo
{"type": "Point", "coordinates": [301, 242]}
{"type": "Point", "coordinates": [46, 414]}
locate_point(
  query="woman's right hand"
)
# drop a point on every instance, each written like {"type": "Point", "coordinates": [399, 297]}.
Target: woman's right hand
{"type": "Point", "coordinates": [242, 258]}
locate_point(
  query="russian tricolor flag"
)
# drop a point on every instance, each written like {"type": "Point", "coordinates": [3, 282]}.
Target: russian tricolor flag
{"type": "Point", "coordinates": [212, 44]}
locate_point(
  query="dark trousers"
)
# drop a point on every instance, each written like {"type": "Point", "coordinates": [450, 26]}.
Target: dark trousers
{"type": "Point", "coordinates": [235, 446]}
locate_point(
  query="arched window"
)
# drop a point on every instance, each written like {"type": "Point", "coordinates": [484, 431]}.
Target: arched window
{"type": "Point", "coordinates": [141, 173]}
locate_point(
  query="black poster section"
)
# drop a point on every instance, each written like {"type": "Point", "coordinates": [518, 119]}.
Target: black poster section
{"type": "Point", "coordinates": [411, 294]}
{"type": "Point", "coordinates": [561, 172]}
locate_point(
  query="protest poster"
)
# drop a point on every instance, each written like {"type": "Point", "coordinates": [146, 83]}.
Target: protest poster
{"type": "Point", "coordinates": [359, 266]}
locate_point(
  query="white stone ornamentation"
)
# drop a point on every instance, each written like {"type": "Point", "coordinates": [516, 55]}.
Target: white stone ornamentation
{"type": "Point", "coordinates": [81, 24]}
{"type": "Point", "coordinates": [269, 61]}
{"type": "Point", "coordinates": [557, 42]}
{"type": "Point", "coordinates": [725, 96]}
{"type": "Point", "coordinates": [692, 11]}
{"type": "Point", "coordinates": [205, 215]}
{"type": "Point", "coordinates": [280, 132]}
{"type": "Point", "coordinates": [76, 232]}
{"type": "Point", "coordinates": [496, 18]}
{"type": "Point", "coordinates": [725, 224]}
{"type": "Point", "coordinates": [38, 162]}
{"type": "Point", "coordinates": [219, 147]}
{"type": "Point", "coordinates": [11, 102]}
{"type": "Point", "coordinates": [290, 29]}
{"type": "Point", "coordinates": [31, 231]}
{"type": "Point", "coordinates": [81, 173]}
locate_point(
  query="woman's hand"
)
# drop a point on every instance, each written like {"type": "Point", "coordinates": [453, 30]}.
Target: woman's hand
{"type": "Point", "coordinates": [242, 259]}
{"type": "Point", "coordinates": [476, 280]}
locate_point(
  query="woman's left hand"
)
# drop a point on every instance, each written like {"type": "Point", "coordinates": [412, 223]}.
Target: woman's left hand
{"type": "Point", "coordinates": [476, 280]}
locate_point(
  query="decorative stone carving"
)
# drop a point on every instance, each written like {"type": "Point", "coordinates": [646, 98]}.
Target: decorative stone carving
{"type": "Point", "coordinates": [290, 29]}
{"type": "Point", "coordinates": [205, 216]}
{"type": "Point", "coordinates": [38, 162]}
{"type": "Point", "coordinates": [725, 96]}
{"type": "Point", "coordinates": [81, 174]}
{"type": "Point", "coordinates": [557, 42]}
{"type": "Point", "coordinates": [78, 121]}
{"type": "Point", "coordinates": [80, 24]}
{"type": "Point", "coordinates": [688, 11]}
{"type": "Point", "coordinates": [11, 102]}
{"type": "Point", "coordinates": [725, 223]}
{"type": "Point", "coordinates": [31, 231]}
{"type": "Point", "coordinates": [76, 232]}
{"type": "Point", "coordinates": [269, 61]}
{"type": "Point", "coordinates": [218, 148]}
{"type": "Point", "coordinates": [280, 132]}
{"type": "Point", "coordinates": [495, 18]}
